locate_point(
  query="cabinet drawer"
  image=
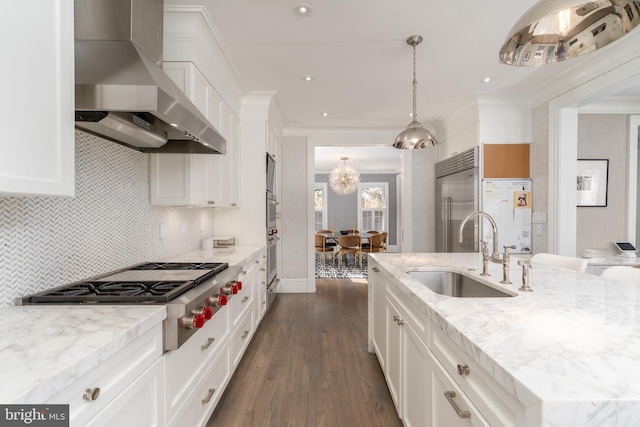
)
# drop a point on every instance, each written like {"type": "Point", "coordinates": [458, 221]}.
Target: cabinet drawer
{"type": "Point", "coordinates": [111, 378]}
{"type": "Point", "coordinates": [492, 400]}
{"type": "Point", "coordinates": [185, 366]}
{"type": "Point", "coordinates": [206, 394]}
{"type": "Point", "coordinates": [241, 337]}
{"type": "Point", "coordinates": [241, 302]}
{"type": "Point", "coordinates": [449, 405]}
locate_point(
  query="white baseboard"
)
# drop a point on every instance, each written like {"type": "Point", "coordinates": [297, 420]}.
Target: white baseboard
{"type": "Point", "coordinates": [296, 286]}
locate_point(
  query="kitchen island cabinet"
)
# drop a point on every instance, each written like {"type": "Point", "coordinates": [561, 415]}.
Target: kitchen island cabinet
{"type": "Point", "coordinates": [561, 355]}
{"type": "Point", "coordinates": [38, 86]}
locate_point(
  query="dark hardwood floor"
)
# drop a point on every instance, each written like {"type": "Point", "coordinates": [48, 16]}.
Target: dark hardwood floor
{"type": "Point", "coordinates": [308, 365]}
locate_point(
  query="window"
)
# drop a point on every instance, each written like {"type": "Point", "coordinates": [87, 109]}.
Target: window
{"type": "Point", "coordinates": [320, 204]}
{"type": "Point", "coordinates": [373, 206]}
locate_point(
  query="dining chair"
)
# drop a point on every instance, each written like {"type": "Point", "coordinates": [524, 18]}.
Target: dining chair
{"type": "Point", "coordinates": [571, 263]}
{"type": "Point", "coordinates": [623, 273]}
{"type": "Point", "coordinates": [373, 232]}
{"type": "Point", "coordinates": [321, 247]}
{"type": "Point", "coordinates": [374, 244]}
{"type": "Point", "coordinates": [350, 244]}
{"type": "Point", "coordinates": [330, 241]}
{"type": "Point", "coordinates": [384, 240]}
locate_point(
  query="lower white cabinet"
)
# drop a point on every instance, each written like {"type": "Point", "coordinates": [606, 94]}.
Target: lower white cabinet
{"type": "Point", "coordinates": [433, 382]}
{"type": "Point", "coordinates": [140, 404]}
{"type": "Point", "coordinates": [130, 380]}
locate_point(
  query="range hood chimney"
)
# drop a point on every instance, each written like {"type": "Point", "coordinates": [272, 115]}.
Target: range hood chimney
{"type": "Point", "coordinates": [122, 93]}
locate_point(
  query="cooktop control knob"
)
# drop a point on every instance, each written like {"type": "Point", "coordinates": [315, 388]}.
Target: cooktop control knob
{"type": "Point", "coordinates": [228, 289]}
{"type": "Point", "coordinates": [239, 285]}
{"type": "Point", "coordinates": [193, 321]}
{"type": "Point", "coordinates": [207, 312]}
{"type": "Point", "coordinates": [217, 300]}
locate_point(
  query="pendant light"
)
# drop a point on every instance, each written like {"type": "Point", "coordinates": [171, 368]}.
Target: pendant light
{"type": "Point", "coordinates": [555, 30]}
{"type": "Point", "coordinates": [415, 136]}
{"type": "Point", "coordinates": [344, 179]}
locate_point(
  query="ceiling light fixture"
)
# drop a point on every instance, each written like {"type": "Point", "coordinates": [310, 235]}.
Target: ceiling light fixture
{"type": "Point", "coordinates": [414, 136]}
{"type": "Point", "coordinates": [325, 114]}
{"type": "Point", "coordinates": [344, 179]}
{"type": "Point", "coordinates": [555, 30]}
{"type": "Point", "coordinates": [307, 78]}
{"type": "Point", "coordinates": [302, 10]}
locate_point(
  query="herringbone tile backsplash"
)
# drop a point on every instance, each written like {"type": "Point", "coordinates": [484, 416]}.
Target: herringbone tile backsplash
{"type": "Point", "coordinates": [50, 241]}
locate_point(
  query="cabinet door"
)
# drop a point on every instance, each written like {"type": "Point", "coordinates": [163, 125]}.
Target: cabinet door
{"type": "Point", "coordinates": [415, 394]}
{"type": "Point", "coordinates": [139, 405]}
{"type": "Point", "coordinates": [178, 179]}
{"type": "Point", "coordinates": [378, 315]}
{"type": "Point", "coordinates": [392, 359]}
{"type": "Point", "coordinates": [38, 78]}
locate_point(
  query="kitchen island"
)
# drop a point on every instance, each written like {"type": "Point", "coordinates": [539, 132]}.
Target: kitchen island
{"type": "Point", "coordinates": [563, 355]}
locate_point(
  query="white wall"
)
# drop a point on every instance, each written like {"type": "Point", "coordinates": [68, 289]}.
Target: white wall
{"type": "Point", "coordinates": [51, 241]}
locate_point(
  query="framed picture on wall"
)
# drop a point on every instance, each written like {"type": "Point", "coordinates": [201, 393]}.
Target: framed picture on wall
{"type": "Point", "coordinates": [592, 182]}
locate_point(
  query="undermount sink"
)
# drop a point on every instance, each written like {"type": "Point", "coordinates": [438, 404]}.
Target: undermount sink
{"type": "Point", "coordinates": [455, 285]}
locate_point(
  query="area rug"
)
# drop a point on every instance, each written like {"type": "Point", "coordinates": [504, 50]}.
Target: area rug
{"type": "Point", "coordinates": [349, 269]}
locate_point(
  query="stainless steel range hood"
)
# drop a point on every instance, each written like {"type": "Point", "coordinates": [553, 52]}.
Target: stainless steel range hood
{"type": "Point", "coordinates": [122, 93]}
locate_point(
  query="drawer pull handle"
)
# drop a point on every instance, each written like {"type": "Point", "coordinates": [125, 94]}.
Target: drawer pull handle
{"type": "Point", "coordinates": [246, 333]}
{"type": "Point", "coordinates": [375, 269]}
{"type": "Point", "coordinates": [207, 344]}
{"type": "Point", "coordinates": [91, 394]}
{"type": "Point", "coordinates": [209, 396]}
{"type": "Point", "coordinates": [245, 299]}
{"type": "Point", "coordinates": [451, 395]}
{"type": "Point", "coordinates": [463, 369]}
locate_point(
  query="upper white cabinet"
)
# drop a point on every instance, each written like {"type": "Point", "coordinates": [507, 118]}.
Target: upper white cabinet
{"type": "Point", "coordinates": [272, 141]}
{"type": "Point", "coordinates": [38, 89]}
{"type": "Point", "coordinates": [199, 179]}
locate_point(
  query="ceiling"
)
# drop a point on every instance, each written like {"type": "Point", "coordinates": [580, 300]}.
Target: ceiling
{"type": "Point", "coordinates": [360, 64]}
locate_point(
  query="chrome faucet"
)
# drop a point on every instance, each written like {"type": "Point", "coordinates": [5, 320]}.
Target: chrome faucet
{"type": "Point", "coordinates": [526, 265]}
{"type": "Point", "coordinates": [505, 264]}
{"type": "Point", "coordinates": [495, 256]}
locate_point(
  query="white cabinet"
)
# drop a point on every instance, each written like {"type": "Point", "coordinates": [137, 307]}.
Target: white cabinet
{"type": "Point", "coordinates": [377, 288]}
{"type": "Point", "coordinates": [199, 179]}
{"type": "Point", "coordinates": [38, 84]}
{"type": "Point", "coordinates": [406, 364]}
{"type": "Point", "coordinates": [130, 382]}
{"type": "Point", "coordinates": [272, 142]}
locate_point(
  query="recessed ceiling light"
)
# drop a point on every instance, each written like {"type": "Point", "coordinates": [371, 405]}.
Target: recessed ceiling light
{"type": "Point", "coordinates": [302, 10]}
{"type": "Point", "coordinates": [307, 78]}
{"type": "Point", "coordinates": [487, 79]}
{"type": "Point", "coordinates": [325, 114]}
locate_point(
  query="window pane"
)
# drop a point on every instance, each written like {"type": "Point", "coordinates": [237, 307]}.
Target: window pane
{"type": "Point", "coordinates": [367, 220]}
{"type": "Point", "coordinates": [372, 198]}
{"type": "Point", "coordinates": [378, 221]}
{"type": "Point", "coordinates": [319, 220]}
{"type": "Point", "coordinates": [319, 198]}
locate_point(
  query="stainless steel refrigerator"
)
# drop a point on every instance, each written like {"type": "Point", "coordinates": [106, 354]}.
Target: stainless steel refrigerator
{"type": "Point", "coordinates": [457, 192]}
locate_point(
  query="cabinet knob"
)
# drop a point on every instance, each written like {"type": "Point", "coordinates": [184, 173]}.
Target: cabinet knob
{"type": "Point", "coordinates": [375, 269]}
{"type": "Point", "coordinates": [463, 369]}
{"type": "Point", "coordinates": [211, 202]}
{"type": "Point", "coordinates": [91, 394]}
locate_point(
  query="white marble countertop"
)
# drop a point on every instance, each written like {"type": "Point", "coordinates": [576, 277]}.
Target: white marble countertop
{"type": "Point", "coordinates": [44, 348]}
{"type": "Point", "coordinates": [573, 343]}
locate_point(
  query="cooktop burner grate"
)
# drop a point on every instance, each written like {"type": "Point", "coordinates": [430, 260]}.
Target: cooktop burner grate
{"type": "Point", "coordinates": [152, 292]}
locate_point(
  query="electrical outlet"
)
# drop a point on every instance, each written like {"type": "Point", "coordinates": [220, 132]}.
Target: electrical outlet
{"type": "Point", "coordinates": [163, 230]}
{"type": "Point", "coordinates": [185, 228]}
{"type": "Point", "coordinates": [538, 229]}
{"type": "Point", "coordinates": [201, 225]}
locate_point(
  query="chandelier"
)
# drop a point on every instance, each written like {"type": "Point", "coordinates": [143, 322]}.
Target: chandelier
{"type": "Point", "coordinates": [414, 136]}
{"type": "Point", "coordinates": [344, 179]}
